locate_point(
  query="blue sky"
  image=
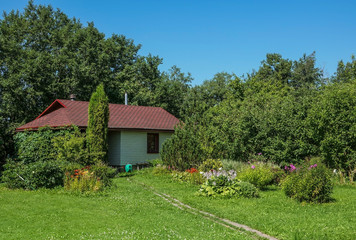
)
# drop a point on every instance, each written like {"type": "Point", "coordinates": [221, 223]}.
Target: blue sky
{"type": "Point", "coordinates": [207, 37]}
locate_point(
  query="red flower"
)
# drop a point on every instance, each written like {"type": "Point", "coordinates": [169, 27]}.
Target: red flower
{"type": "Point", "coordinates": [192, 170]}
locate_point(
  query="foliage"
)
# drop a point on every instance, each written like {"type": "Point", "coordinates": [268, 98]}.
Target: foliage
{"type": "Point", "coordinates": [33, 146]}
{"type": "Point", "coordinates": [224, 184]}
{"type": "Point", "coordinates": [34, 175]}
{"type": "Point", "coordinates": [71, 147]}
{"type": "Point", "coordinates": [83, 180]}
{"type": "Point", "coordinates": [346, 72]}
{"type": "Point", "coordinates": [238, 166]}
{"type": "Point", "coordinates": [104, 173]}
{"type": "Point", "coordinates": [46, 55]}
{"type": "Point", "coordinates": [310, 183]}
{"type": "Point", "coordinates": [160, 170]}
{"type": "Point", "coordinates": [259, 175]}
{"type": "Point", "coordinates": [331, 125]}
{"type": "Point", "coordinates": [155, 162]}
{"type": "Point", "coordinates": [210, 164]}
{"type": "Point", "coordinates": [190, 176]}
{"type": "Point", "coordinates": [185, 149]}
{"type": "Point", "coordinates": [97, 130]}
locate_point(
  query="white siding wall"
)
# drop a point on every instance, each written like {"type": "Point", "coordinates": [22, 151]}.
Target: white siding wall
{"type": "Point", "coordinates": [134, 147]}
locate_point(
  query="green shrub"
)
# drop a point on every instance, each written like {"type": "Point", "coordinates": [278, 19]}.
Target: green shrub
{"type": "Point", "coordinates": [310, 183]}
{"type": "Point", "coordinates": [210, 164]}
{"type": "Point", "coordinates": [40, 174]}
{"type": "Point", "coordinates": [13, 174]}
{"type": "Point", "coordinates": [33, 146]}
{"type": "Point", "coordinates": [104, 173]}
{"type": "Point", "coordinates": [193, 177]}
{"type": "Point", "coordinates": [221, 186]}
{"type": "Point", "coordinates": [70, 147]}
{"type": "Point", "coordinates": [155, 162]}
{"type": "Point", "coordinates": [186, 148]}
{"type": "Point", "coordinates": [160, 170]}
{"type": "Point", "coordinates": [223, 183]}
{"type": "Point", "coordinates": [238, 166]}
{"type": "Point", "coordinates": [259, 175]}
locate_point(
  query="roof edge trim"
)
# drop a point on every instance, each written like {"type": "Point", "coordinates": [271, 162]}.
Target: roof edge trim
{"type": "Point", "coordinates": [50, 106]}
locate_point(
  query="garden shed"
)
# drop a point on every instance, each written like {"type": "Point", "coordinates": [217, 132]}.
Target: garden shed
{"type": "Point", "coordinates": [136, 133]}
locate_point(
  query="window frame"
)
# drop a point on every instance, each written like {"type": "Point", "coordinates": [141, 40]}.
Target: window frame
{"type": "Point", "coordinates": [156, 143]}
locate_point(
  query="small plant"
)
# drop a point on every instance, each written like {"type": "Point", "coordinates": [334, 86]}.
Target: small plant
{"type": "Point", "coordinates": [83, 180]}
{"type": "Point", "coordinates": [160, 170]}
{"type": "Point", "coordinates": [309, 183]}
{"type": "Point", "coordinates": [155, 162]}
{"type": "Point", "coordinates": [210, 164]}
{"type": "Point", "coordinates": [222, 185]}
{"type": "Point", "coordinates": [238, 166]}
{"type": "Point", "coordinates": [190, 175]}
{"type": "Point", "coordinates": [192, 170]}
{"type": "Point", "coordinates": [260, 175]}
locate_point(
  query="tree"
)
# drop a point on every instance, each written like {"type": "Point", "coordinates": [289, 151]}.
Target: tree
{"type": "Point", "coordinates": [45, 55]}
{"type": "Point", "coordinates": [97, 131]}
{"type": "Point", "coordinates": [173, 90]}
{"type": "Point", "coordinates": [346, 72]}
{"type": "Point", "coordinates": [304, 72]}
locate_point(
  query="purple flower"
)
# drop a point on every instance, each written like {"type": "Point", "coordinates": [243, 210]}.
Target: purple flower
{"type": "Point", "coordinates": [253, 167]}
{"type": "Point", "coordinates": [313, 166]}
{"type": "Point", "coordinates": [259, 154]}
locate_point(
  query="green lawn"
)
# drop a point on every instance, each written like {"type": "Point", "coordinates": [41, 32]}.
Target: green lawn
{"type": "Point", "coordinates": [132, 212]}
{"type": "Point", "coordinates": [273, 213]}
{"type": "Point", "coordinates": [128, 212]}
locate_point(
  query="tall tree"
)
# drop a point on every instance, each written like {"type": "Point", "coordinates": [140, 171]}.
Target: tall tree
{"type": "Point", "coordinates": [97, 131]}
{"type": "Point", "coordinates": [346, 72]}
{"type": "Point", "coordinates": [45, 55]}
{"type": "Point", "coordinates": [173, 90]}
{"type": "Point", "coordinates": [305, 73]}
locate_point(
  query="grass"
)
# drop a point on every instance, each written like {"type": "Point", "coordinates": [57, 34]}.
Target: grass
{"type": "Point", "coordinates": [273, 213]}
{"type": "Point", "coordinates": [132, 212]}
{"type": "Point", "coordinates": [127, 212]}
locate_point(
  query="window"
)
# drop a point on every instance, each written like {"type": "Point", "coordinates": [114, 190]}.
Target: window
{"type": "Point", "coordinates": [152, 143]}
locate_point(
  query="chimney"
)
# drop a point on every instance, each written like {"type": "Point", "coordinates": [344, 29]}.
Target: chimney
{"type": "Point", "coordinates": [125, 98]}
{"type": "Point", "coordinates": [72, 97]}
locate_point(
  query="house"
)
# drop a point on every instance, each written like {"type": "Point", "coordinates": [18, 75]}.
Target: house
{"type": "Point", "coordinates": [136, 133]}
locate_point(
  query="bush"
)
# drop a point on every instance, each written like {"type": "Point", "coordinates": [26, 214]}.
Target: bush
{"type": "Point", "coordinates": [259, 175]}
{"type": "Point", "coordinates": [155, 162]}
{"type": "Point", "coordinates": [33, 146]}
{"type": "Point", "coordinates": [222, 183]}
{"type": "Point", "coordinates": [191, 176]}
{"type": "Point", "coordinates": [12, 174]}
{"type": "Point", "coordinates": [238, 166]}
{"type": "Point", "coordinates": [186, 148]}
{"type": "Point", "coordinates": [70, 147]}
{"type": "Point", "coordinates": [47, 174]}
{"type": "Point", "coordinates": [160, 170]}
{"type": "Point", "coordinates": [210, 164]}
{"type": "Point", "coordinates": [224, 186]}
{"type": "Point", "coordinates": [104, 173]}
{"type": "Point", "coordinates": [310, 183]}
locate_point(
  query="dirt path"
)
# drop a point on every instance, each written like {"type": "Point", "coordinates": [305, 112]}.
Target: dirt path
{"type": "Point", "coordinates": [222, 221]}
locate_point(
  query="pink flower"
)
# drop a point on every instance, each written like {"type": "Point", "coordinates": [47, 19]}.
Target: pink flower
{"type": "Point", "coordinates": [259, 154]}
{"type": "Point", "coordinates": [253, 167]}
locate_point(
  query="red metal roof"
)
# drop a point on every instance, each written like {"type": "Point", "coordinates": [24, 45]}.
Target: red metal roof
{"type": "Point", "coordinates": [67, 112]}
